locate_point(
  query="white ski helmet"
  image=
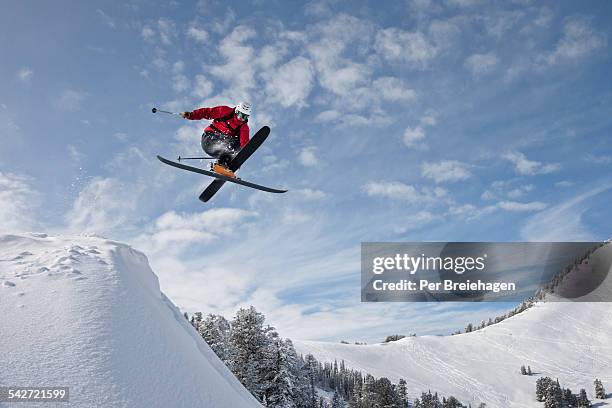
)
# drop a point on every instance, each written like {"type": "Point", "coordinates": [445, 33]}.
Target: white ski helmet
{"type": "Point", "coordinates": [243, 110]}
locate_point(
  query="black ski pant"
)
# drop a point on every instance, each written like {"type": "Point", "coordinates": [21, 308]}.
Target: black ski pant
{"type": "Point", "coordinates": [220, 146]}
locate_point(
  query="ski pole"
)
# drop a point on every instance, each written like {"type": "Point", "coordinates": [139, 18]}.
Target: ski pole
{"type": "Point", "coordinates": [195, 158]}
{"type": "Point", "coordinates": [155, 110]}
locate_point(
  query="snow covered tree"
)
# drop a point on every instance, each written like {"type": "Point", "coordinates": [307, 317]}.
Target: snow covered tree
{"type": "Point", "coordinates": [523, 370]}
{"type": "Point", "coordinates": [430, 401]}
{"type": "Point", "coordinates": [215, 330]}
{"type": "Point", "coordinates": [554, 396]}
{"type": "Point", "coordinates": [542, 385]}
{"type": "Point", "coordinates": [249, 340]}
{"type": "Point", "coordinates": [402, 393]}
{"type": "Point", "coordinates": [279, 374]}
{"type": "Point", "coordinates": [583, 400]}
{"type": "Point", "coordinates": [600, 392]}
{"type": "Point", "coordinates": [385, 395]}
{"type": "Point", "coordinates": [337, 401]}
{"type": "Point", "coordinates": [569, 398]}
{"type": "Point", "coordinates": [529, 370]}
{"type": "Point", "coordinates": [310, 370]}
{"type": "Point", "coordinates": [452, 402]}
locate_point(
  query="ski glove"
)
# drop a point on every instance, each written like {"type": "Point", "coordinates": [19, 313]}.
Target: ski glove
{"type": "Point", "coordinates": [186, 115]}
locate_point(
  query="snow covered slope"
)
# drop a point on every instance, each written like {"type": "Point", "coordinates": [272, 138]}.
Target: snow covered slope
{"type": "Point", "coordinates": [570, 341]}
{"type": "Point", "coordinates": [87, 313]}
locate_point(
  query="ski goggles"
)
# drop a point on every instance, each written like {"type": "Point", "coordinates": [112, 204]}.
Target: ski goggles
{"type": "Point", "coordinates": [242, 116]}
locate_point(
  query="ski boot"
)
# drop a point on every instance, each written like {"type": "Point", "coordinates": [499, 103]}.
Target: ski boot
{"type": "Point", "coordinates": [222, 169]}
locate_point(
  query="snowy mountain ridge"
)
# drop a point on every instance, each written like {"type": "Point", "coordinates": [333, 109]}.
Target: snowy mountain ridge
{"type": "Point", "coordinates": [571, 341]}
{"type": "Point", "coordinates": [88, 313]}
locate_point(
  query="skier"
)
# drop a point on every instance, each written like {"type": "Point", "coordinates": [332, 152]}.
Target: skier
{"type": "Point", "coordinates": [226, 135]}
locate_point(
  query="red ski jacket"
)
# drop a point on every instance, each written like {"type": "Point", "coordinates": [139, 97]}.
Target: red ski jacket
{"type": "Point", "coordinates": [224, 121]}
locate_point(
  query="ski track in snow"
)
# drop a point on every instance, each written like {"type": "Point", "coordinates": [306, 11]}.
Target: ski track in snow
{"type": "Point", "coordinates": [571, 341]}
{"type": "Point", "coordinates": [87, 313]}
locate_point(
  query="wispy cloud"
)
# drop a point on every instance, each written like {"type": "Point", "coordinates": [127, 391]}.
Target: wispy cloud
{"type": "Point", "coordinates": [579, 40]}
{"type": "Point", "coordinates": [18, 201]}
{"type": "Point", "coordinates": [291, 83]}
{"type": "Point", "coordinates": [25, 74]}
{"type": "Point", "coordinates": [70, 100]}
{"type": "Point", "coordinates": [563, 222]}
{"type": "Point", "coordinates": [104, 205]}
{"type": "Point", "coordinates": [197, 34]}
{"type": "Point", "coordinates": [399, 191]}
{"type": "Point", "coordinates": [446, 171]}
{"type": "Point", "coordinates": [308, 157]}
{"type": "Point", "coordinates": [528, 167]}
{"type": "Point", "coordinates": [106, 19]}
{"type": "Point", "coordinates": [480, 64]}
{"type": "Point", "coordinates": [414, 137]}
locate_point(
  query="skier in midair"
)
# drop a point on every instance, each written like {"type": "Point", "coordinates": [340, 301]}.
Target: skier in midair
{"type": "Point", "coordinates": [226, 135]}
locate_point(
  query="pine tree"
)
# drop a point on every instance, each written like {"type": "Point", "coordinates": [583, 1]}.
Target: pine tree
{"type": "Point", "coordinates": [523, 370]}
{"type": "Point", "coordinates": [600, 392]}
{"type": "Point", "coordinates": [250, 342]}
{"type": "Point", "coordinates": [310, 368]}
{"type": "Point", "coordinates": [337, 401]}
{"type": "Point", "coordinates": [402, 393]}
{"type": "Point", "coordinates": [542, 385]}
{"type": "Point", "coordinates": [529, 370]}
{"type": "Point", "coordinates": [583, 400]}
{"type": "Point", "coordinates": [215, 330]}
{"type": "Point", "coordinates": [281, 379]}
{"type": "Point", "coordinates": [452, 402]}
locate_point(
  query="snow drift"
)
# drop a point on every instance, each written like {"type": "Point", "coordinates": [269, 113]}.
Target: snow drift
{"type": "Point", "coordinates": [570, 341]}
{"type": "Point", "coordinates": [87, 313]}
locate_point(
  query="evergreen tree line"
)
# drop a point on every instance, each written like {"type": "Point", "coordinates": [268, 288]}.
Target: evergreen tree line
{"type": "Point", "coordinates": [554, 396]}
{"type": "Point", "coordinates": [269, 367]}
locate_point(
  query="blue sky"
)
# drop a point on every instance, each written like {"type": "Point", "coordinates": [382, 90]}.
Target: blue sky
{"type": "Point", "coordinates": [419, 120]}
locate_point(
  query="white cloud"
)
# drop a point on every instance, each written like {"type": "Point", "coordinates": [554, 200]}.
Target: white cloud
{"type": "Point", "coordinates": [70, 100]}
{"type": "Point", "coordinates": [197, 34]}
{"type": "Point", "coordinates": [564, 184]}
{"type": "Point", "coordinates": [516, 206]}
{"type": "Point", "coordinates": [412, 48]}
{"type": "Point", "coordinates": [106, 19]}
{"type": "Point", "coordinates": [310, 195]}
{"type": "Point", "coordinates": [393, 89]}
{"type": "Point", "coordinates": [563, 222]}
{"type": "Point", "coordinates": [167, 30]}
{"type": "Point", "coordinates": [528, 167]}
{"type": "Point", "coordinates": [603, 159]}
{"type": "Point", "coordinates": [446, 171]}
{"type": "Point", "coordinates": [579, 40]}
{"type": "Point", "coordinates": [479, 64]}
{"type": "Point", "coordinates": [18, 201]}
{"type": "Point", "coordinates": [506, 189]}
{"type": "Point", "coordinates": [173, 232]}
{"type": "Point", "coordinates": [399, 191]}
{"type": "Point", "coordinates": [147, 33]}
{"type": "Point", "coordinates": [237, 70]}
{"type": "Point", "coordinates": [203, 87]}
{"type": "Point", "coordinates": [104, 205]}
{"type": "Point", "coordinates": [327, 116]}
{"type": "Point", "coordinates": [291, 83]}
{"type": "Point", "coordinates": [413, 136]}
{"type": "Point", "coordinates": [25, 74]}
{"type": "Point", "coordinates": [308, 157]}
